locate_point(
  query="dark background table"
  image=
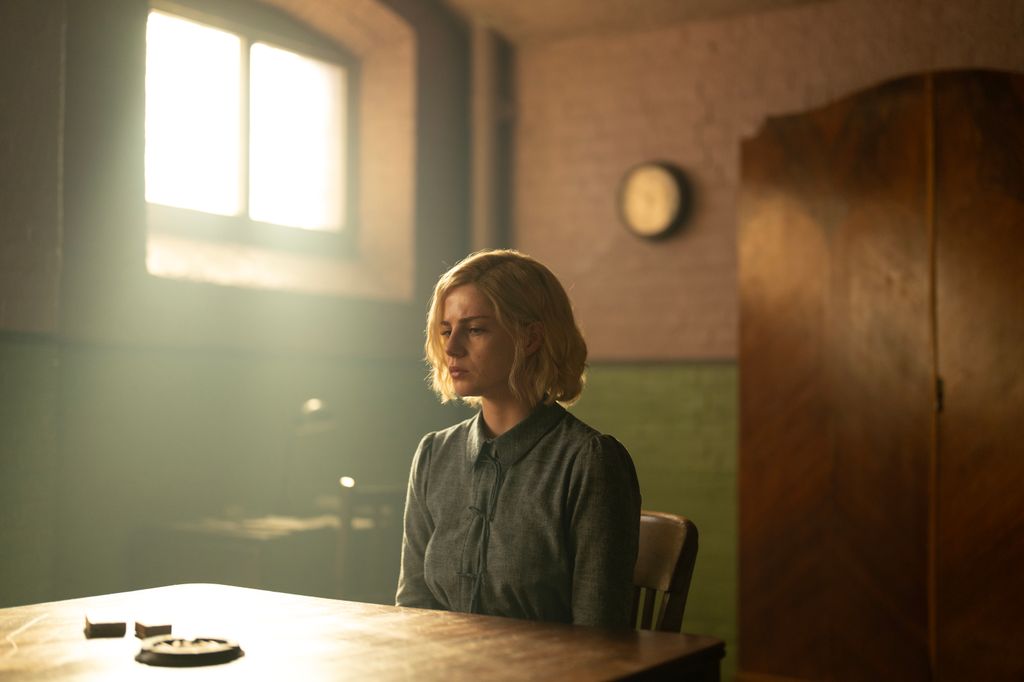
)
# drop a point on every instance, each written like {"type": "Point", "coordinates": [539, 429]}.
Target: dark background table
{"type": "Point", "coordinates": [351, 552]}
{"type": "Point", "coordinates": [288, 636]}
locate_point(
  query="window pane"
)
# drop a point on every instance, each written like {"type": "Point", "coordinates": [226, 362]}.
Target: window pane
{"type": "Point", "coordinates": [296, 145]}
{"type": "Point", "coordinates": [193, 115]}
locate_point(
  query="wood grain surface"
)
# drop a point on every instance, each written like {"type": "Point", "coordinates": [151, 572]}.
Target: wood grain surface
{"type": "Point", "coordinates": [881, 251]}
{"type": "Point", "coordinates": [980, 282]}
{"type": "Point", "coordinates": [835, 391]}
{"type": "Point", "coordinates": [306, 638]}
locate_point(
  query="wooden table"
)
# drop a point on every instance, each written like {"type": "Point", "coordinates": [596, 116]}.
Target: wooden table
{"type": "Point", "coordinates": [290, 637]}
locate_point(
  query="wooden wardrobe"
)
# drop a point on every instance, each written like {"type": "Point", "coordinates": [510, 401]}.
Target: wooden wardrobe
{"type": "Point", "coordinates": [882, 386]}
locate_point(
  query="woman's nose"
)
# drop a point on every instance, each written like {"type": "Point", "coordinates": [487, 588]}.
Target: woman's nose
{"type": "Point", "coordinates": [452, 346]}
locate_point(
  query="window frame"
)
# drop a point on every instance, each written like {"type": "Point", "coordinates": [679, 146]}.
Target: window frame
{"type": "Point", "coordinates": [252, 23]}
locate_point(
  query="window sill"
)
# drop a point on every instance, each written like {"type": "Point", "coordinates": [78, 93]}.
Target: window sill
{"type": "Point", "coordinates": [207, 227]}
{"type": "Point", "coordinates": [249, 266]}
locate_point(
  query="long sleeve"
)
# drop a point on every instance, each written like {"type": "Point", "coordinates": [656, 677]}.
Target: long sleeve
{"type": "Point", "coordinates": [604, 528]}
{"type": "Point", "coordinates": [419, 526]}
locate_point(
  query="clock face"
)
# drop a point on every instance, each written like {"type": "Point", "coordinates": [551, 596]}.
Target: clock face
{"type": "Point", "coordinates": [651, 199]}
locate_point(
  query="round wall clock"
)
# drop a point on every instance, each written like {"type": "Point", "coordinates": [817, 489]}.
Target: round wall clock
{"type": "Point", "coordinates": [654, 199]}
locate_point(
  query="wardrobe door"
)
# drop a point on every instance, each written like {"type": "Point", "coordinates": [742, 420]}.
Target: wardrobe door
{"type": "Point", "coordinates": [979, 193]}
{"type": "Point", "coordinates": [836, 391]}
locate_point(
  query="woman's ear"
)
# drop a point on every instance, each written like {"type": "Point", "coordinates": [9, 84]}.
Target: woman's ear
{"type": "Point", "coordinates": [534, 338]}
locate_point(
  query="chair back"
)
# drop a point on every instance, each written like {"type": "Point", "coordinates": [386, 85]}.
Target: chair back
{"type": "Point", "coordinates": [664, 566]}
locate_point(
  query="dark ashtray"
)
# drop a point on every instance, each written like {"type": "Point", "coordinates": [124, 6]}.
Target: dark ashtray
{"type": "Point", "coordinates": [177, 652]}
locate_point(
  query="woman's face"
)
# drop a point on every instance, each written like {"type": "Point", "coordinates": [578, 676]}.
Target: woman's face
{"type": "Point", "coordinates": [478, 349]}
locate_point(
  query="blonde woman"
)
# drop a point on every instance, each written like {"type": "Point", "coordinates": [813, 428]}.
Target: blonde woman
{"type": "Point", "coordinates": [522, 510]}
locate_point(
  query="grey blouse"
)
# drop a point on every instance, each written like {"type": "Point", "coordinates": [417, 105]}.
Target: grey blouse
{"type": "Point", "coordinates": [539, 523]}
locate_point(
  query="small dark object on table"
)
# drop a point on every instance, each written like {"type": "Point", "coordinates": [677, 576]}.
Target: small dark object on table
{"type": "Point", "coordinates": [170, 651]}
{"type": "Point", "coordinates": [146, 630]}
{"type": "Point", "coordinates": [96, 627]}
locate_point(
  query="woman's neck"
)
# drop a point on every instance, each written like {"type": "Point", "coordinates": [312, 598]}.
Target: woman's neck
{"type": "Point", "coordinates": [499, 417]}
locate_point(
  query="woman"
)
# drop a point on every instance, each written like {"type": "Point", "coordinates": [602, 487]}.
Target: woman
{"type": "Point", "coordinates": [523, 510]}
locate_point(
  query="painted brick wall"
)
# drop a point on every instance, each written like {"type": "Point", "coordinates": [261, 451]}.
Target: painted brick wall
{"type": "Point", "coordinates": [165, 400]}
{"type": "Point", "coordinates": [590, 107]}
{"type": "Point", "coordinates": [151, 436]}
{"type": "Point", "coordinates": [679, 423]}
{"type": "Point", "coordinates": [29, 386]}
{"type": "Point", "coordinates": [30, 147]}
{"type": "Point", "coordinates": [30, 117]}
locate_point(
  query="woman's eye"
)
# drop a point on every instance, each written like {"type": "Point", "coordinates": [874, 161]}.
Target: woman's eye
{"type": "Point", "coordinates": [446, 333]}
{"type": "Point", "coordinates": [476, 330]}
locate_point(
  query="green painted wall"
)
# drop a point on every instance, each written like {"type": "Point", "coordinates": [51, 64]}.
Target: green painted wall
{"type": "Point", "coordinates": [150, 436]}
{"type": "Point", "coordinates": [99, 442]}
{"type": "Point", "coordinates": [679, 422]}
{"type": "Point", "coordinates": [29, 372]}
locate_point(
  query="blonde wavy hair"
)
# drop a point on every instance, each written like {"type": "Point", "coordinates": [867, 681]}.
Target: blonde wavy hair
{"type": "Point", "coordinates": [523, 292]}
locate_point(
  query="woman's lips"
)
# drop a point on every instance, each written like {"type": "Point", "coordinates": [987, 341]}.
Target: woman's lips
{"type": "Point", "coordinates": [456, 372]}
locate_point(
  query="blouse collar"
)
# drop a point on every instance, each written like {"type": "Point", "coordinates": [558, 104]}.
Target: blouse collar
{"type": "Point", "coordinates": [514, 444]}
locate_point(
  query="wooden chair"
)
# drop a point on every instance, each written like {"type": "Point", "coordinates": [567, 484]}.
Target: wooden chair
{"type": "Point", "coordinates": [664, 566]}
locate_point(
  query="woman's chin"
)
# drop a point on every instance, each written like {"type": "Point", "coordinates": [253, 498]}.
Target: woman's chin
{"type": "Point", "coordinates": [464, 391]}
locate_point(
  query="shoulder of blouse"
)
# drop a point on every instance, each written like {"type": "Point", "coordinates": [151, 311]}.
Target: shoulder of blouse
{"type": "Point", "coordinates": [455, 435]}
{"type": "Point", "coordinates": [593, 443]}
{"type": "Point", "coordinates": [443, 444]}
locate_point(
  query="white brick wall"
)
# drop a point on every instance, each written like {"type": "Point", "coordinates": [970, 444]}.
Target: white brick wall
{"type": "Point", "coordinates": [590, 107]}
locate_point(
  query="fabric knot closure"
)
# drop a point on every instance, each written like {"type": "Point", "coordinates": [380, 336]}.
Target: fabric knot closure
{"type": "Point", "coordinates": [489, 464]}
{"type": "Point", "coordinates": [485, 517]}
